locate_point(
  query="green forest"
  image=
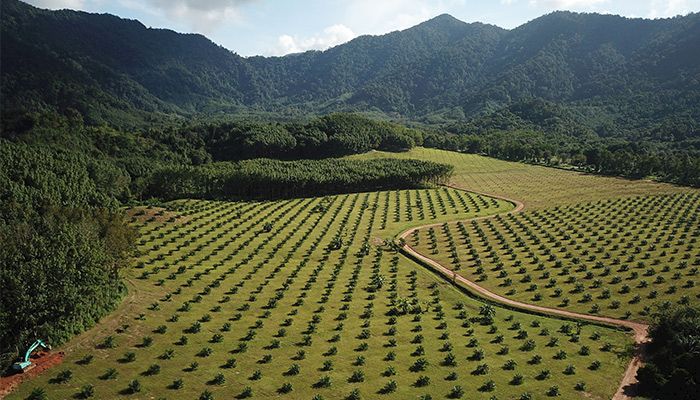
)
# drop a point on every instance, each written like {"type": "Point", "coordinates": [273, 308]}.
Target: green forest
{"type": "Point", "coordinates": [63, 185]}
{"type": "Point", "coordinates": [98, 113]}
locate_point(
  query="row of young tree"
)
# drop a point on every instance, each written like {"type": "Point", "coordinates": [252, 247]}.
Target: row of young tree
{"type": "Point", "coordinates": [62, 184]}
{"type": "Point", "coordinates": [268, 178]}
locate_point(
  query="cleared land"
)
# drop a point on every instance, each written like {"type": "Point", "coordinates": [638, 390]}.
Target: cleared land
{"type": "Point", "coordinates": [536, 186]}
{"type": "Point", "coordinates": [299, 298]}
{"type": "Point", "coordinates": [615, 258]}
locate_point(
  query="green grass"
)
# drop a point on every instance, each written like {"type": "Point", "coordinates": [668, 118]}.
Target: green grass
{"type": "Point", "coordinates": [616, 258]}
{"type": "Point", "coordinates": [218, 266]}
{"type": "Point", "coordinates": [536, 186]}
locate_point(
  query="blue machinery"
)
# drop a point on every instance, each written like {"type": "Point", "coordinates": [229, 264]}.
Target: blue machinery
{"type": "Point", "coordinates": [26, 363]}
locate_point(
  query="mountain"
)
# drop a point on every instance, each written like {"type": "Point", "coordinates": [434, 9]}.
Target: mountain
{"type": "Point", "coordinates": [610, 73]}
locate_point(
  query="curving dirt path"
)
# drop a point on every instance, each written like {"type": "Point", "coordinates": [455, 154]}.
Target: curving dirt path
{"type": "Point", "coordinates": [626, 389]}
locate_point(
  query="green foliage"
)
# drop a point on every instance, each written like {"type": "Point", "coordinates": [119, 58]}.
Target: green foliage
{"type": "Point", "coordinates": [274, 178]}
{"type": "Point", "coordinates": [64, 243]}
{"type": "Point", "coordinates": [440, 70]}
{"type": "Point", "coordinates": [671, 365]}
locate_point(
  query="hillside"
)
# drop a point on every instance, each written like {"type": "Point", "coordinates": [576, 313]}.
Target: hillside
{"type": "Point", "coordinates": [611, 73]}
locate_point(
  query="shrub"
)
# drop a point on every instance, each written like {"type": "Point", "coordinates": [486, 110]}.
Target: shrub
{"type": "Point", "coordinates": [134, 386]}
{"type": "Point", "coordinates": [63, 376]}
{"type": "Point", "coordinates": [553, 391]}
{"type": "Point", "coordinates": [111, 373]}
{"type": "Point", "coordinates": [285, 388]}
{"type": "Point", "coordinates": [87, 359]}
{"type": "Point", "coordinates": [107, 343]}
{"type": "Point", "coordinates": [324, 382]}
{"type": "Point", "coordinates": [517, 379]}
{"type": "Point", "coordinates": [353, 395]}
{"type": "Point", "coordinates": [422, 381]}
{"type": "Point", "coordinates": [357, 376]}
{"type": "Point", "coordinates": [86, 391]}
{"type": "Point", "coordinates": [129, 356]}
{"type": "Point", "coordinates": [153, 370]}
{"type": "Point", "coordinates": [456, 392]}
{"type": "Point", "coordinates": [389, 387]}
{"type": "Point", "coordinates": [38, 394]}
{"type": "Point", "coordinates": [219, 379]}
{"type": "Point", "coordinates": [488, 386]}
{"type": "Point", "coordinates": [247, 392]}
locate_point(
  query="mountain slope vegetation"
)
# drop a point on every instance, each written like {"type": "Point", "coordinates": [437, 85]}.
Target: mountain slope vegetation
{"type": "Point", "coordinates": [613, 73]}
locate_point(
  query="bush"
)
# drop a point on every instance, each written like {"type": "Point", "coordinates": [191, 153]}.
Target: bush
{"type": "Point", "coordinates": [38, 394]}
{"type": "Point", "coordinates": [219, 379]}
{"type": "Point", "coordinates": [134, 386]}
{"type": "Point", "coordinates": [86, 391]}
{"type": "Point", "coordinates": [247, 392]}
{"type": "Point", "coordinates": [285, 388]}
{"type": "Point", "coordinates": [153, 370]}
{"type": "Point", "coordinates": [63, 376]}
{"type": "Point", "coordinates": [357, 376]}
{"type": "Point", "coordinates": [389, 387]}
{"type": "Point", "coordinates": [422, 381]}
{"type": "Point", "coordinates": [456, 392]}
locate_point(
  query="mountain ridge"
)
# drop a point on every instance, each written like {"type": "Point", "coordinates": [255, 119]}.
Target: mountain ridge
{"type": "Point", "coordinates": [108, 69]}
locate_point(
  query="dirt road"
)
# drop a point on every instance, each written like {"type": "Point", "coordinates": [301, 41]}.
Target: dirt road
{"type": "Point", "coordinates": [626, 388]}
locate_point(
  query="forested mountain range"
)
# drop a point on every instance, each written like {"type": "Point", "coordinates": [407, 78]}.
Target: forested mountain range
{"type": "Point", "coordinates": [607, 73]}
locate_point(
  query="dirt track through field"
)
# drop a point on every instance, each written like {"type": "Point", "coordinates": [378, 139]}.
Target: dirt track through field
{"type": "Point", "coordinates": [626, 389]}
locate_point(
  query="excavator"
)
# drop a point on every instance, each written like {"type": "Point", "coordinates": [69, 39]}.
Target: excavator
{"type": "Point", "coordinates": [26, 363]}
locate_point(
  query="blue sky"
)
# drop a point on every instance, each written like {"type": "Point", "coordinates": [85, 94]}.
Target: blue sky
{"type": "Point", "coordinates": [277, 27]}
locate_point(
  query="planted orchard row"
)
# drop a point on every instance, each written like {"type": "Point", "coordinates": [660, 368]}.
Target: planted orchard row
{"type": "Point", "coordinates": [297, 297]}
{"type": "Point", "coordinates": [613, 258]}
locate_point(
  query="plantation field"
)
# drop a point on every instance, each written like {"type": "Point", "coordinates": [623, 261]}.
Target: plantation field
{"type": "Point", "coordinates": [536, 186]}
{"type": "Point", "coordinates": [303, 299]}
{"type": "Point", "coordinates": [615, 258]}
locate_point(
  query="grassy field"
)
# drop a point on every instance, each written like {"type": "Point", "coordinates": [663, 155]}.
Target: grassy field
{"type": "Point", "coordinates": [301, 299]}
{"type": "Point", "coordinates": [536, 186]}
{"type": "Point", "coordinates": [616, 258]}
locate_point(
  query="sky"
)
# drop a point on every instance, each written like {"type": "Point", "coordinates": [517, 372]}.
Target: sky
{"type": "Point", "coordinates": [278, 27]}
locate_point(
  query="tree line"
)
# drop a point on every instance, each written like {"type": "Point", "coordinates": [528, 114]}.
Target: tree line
{"type": "Point", "coordinates": [332, 135]}
{"type": "Point", "coordinates": [626, 159]}
{"type": "Point", "coordinates": [62, 183]}
{"type": "Point", "coordinates": [268, 178]}
{"type": "Point", "coordinates": [64, 243]}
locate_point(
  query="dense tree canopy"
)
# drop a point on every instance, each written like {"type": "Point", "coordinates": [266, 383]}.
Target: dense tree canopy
{"type": "Point", "coordinates": [671, 370]}
{"type": "Point", "coordinates": [64, 243]}
{"type": "Point", "coordinates": [615, 74]}
{"type": "Point", "coordinates": [275, 178]}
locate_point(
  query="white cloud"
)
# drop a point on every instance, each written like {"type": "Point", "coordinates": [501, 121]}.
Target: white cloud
{"type": "Point", "coordinates": [668, 8]}
{"type": "Point", "coordinates": [201, 15]}
{"type": "Point", "coordinates": [331, 36]}
{"type": "Point", "coordinates": [567, 3]}
{"type": "Point", "coordinates": [58, 4]}
{"type": "Point", "coordinates": [381, 16]}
